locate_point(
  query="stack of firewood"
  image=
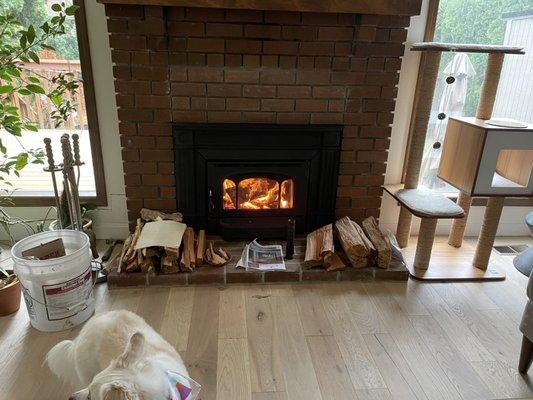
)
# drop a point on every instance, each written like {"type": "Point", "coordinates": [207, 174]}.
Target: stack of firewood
{"type": "Point", "coordinates": [164, 259]}
{"type": "Point", "coordinates": [364, 245]}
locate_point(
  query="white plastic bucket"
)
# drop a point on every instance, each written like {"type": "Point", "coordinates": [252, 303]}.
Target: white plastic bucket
{"type": "Point", "coordinates": [58, 292]}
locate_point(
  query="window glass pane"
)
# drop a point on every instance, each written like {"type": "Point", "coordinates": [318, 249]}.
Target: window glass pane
{"type": "Point", "coordinates": [508, 22]}
{"type": "Point", "coordinates": [65, 58]}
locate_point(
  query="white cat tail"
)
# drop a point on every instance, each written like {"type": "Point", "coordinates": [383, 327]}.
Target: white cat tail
{"type": "Point", "coordinates": [60, 360]}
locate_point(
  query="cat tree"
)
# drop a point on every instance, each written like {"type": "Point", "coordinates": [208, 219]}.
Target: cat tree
{"type": "Point", "coordinates": [431, 206]}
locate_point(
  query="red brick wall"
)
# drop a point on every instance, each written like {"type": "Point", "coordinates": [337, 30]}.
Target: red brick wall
{"type": "Point", "coordinates": [226, 66]}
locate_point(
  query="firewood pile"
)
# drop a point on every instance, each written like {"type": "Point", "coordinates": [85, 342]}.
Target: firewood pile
{"type": "Point", "coordinates": [193, 251]}
{"type": "Point", "coordinates": [364, 246]}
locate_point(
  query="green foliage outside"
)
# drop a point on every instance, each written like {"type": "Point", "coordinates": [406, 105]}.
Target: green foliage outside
{"type": "Point", "coordinates": [474, 21]}
{"type": "Point", "coordinates": [35, 12]}
{"type": "Point", "coordinates": [20, 45]}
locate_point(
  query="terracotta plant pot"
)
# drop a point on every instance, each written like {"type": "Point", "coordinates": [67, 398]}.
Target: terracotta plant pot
{"type": "Point", "coordinates": [10, 298]}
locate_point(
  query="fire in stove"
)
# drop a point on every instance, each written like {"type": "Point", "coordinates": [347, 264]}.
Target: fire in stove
{"type": "Point", "coordinates": [257, 193]}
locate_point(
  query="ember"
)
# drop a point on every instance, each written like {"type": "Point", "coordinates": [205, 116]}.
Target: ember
{"type": "Point", "coordinates": [257, 194]}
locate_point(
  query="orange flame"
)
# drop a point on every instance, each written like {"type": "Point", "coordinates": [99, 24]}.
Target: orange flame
{"type": "Point", "coordinates": [257, 194]}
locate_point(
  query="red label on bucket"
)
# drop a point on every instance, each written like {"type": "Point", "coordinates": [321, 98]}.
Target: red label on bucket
{"type": "Point", "coordinates": [61, 299]}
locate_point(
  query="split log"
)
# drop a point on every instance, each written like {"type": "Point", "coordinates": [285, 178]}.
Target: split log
{"type": "Point", "coordinates": [125, 247]}
{"type": "Point", "coordinates": [356, 245]}
{"type": "Point", "coordinates": [147, 265]}
{"type": "Point", "coordinates": [216, 257]}
{"type": "Point", "coordinates": [151, 215]}
{"type": "Point", "coordinates": [319, 243]}
{"type": "Point", "coordinates": [380, 242]}
{"type": "Point", "coordinates": [130, 253]}
{"type": "Point", "coordinates": [188, 256]}
{"type": "Point", "coordinates": [200, 247]}
{"type": "Point", "coordinates": [169, 264]}
{"type": "Point", "coordinates": [332, 262]}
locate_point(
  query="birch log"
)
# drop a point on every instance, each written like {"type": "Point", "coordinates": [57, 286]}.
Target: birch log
{"type": "Point", "coordinates": [319, 243]}
{"type": "Point", "coordinates": [356, 245]}
{"type": "Point", "coordinates": [381, 244]}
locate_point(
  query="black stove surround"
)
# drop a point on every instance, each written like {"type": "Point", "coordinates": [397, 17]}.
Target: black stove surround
{"type": "Point", "coordinates": [207, 154]}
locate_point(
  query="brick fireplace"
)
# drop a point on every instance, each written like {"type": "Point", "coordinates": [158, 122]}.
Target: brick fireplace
{"type": "Point", "coordinates": [180, 65]}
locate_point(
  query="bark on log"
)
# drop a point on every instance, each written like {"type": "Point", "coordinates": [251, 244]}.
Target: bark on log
{"type": "Point", "coordinates": [381, 244]}
{"type": "Point", "coordinates": [151, 215]}
{"type": "Point", "coordinates": [319, 243]}
{"type": "Point", "coordinates": [356, 245]}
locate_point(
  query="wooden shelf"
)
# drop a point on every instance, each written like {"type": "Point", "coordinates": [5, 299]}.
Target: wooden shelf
{"type": "Point", "coordinates": [383, 7]}
{"type": "Point", "coordinates": [466, 48]}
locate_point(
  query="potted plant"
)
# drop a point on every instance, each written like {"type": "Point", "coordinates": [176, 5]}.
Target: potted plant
{"type": "Point", "coordinates": [9, 293]}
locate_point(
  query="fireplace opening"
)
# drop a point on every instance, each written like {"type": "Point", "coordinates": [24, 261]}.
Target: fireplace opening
{"type": "Point", "coordinates": [245, 181]}
{"type": "Point", "coordinates": [257, 193]}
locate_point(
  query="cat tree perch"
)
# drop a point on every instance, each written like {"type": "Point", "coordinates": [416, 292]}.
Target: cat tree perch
{"type": "Point", "coordinates": [469, 165]}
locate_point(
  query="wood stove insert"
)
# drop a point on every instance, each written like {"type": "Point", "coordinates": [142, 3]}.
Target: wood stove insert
{"type": "Point", "coordinates": [246, 180]}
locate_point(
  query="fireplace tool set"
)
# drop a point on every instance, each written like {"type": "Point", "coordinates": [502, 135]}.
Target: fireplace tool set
{"type": "Point", "coordinates": [71, 179]}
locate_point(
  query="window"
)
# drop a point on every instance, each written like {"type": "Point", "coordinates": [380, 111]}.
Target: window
{"type": "Point", "coordinates": [34, 186]}
{"type": "Point", "coordinates": [508, 22]}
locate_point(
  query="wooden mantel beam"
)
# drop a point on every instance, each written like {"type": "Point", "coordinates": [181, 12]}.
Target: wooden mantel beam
{"type": "Point", "coordinates": [383, 7]}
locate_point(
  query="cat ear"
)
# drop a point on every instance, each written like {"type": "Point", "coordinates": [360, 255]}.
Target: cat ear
{"type": "Point", "coordinates": [133, 351]}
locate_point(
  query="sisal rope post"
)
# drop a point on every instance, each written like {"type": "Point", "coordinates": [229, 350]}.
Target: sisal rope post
{"type": "Point", "coordinates": [494, 207]}
{"type": "Point", "coordinates": [426, 236]}
{"type": "Point", "coordinates": [459, 224]}
{"type": "Point", "coordinates": [403, 230]}
{"type": "Point", "coordinates": [484, 111]}
{"type": "Point", "coordinates": [485, 242]}
{"type": "Point", "coordinates": [418, 139]}
{"type": "Point", "coordinates": [490, 85]}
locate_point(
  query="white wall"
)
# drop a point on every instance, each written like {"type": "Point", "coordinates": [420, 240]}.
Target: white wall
{"type": "Point", "coordinates": [110, 221]}
{"type": "Point", "coordinates": [512, 220]}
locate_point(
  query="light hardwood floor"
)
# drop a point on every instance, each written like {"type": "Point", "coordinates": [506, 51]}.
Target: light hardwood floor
{"type": "Point", "coordinates": [379, 341]}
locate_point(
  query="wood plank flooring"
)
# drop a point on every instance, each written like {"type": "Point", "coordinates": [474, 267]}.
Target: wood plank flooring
{"type": "Point", "coordinates": [349, 340]}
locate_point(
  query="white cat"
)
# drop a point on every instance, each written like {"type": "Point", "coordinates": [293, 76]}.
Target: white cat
{"type": "Point", "coordinates": [117, 355]}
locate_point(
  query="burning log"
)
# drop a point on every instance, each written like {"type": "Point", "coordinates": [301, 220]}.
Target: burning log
{"type": "Point", "coordinates": [381, 244]}
{"type": "Point", "coordinates": [356, 245]}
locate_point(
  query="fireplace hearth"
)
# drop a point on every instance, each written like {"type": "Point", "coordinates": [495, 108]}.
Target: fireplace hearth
{"type": "Point", "coordinates": [246, 180]}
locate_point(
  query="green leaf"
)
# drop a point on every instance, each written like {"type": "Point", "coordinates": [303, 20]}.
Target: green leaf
{"type": "Point", "coordinates": [71, 10]}
{"type": "Point", "coordinates": [34, 80]}
{"type": "Point", "coordinates": [31, 127]}
{"type": "Point", "coordinates": [13, 71]}
{"type": "Point", "coordinates": [35, 88]}
{"type": "Point", "coordinates": [24, 91]}
{"type": "Point", "coordinates": [22, 161]}
{"type": "Point", "coordinates": [56, 7]}
{"type": "Point", "coordinates": [6, 89]}
{"type": "Point", "coordinates": [34, 57]}
{"type": "Point", "coordinates": [23, 41]}
{"type": "Point", "coordinates": [31, 34]}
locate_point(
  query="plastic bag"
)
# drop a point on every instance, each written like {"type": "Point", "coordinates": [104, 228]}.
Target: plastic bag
{"type": "Point", "coordinates": [182, 387]}
{"type": "Point", "coordinates": [397, 256]}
